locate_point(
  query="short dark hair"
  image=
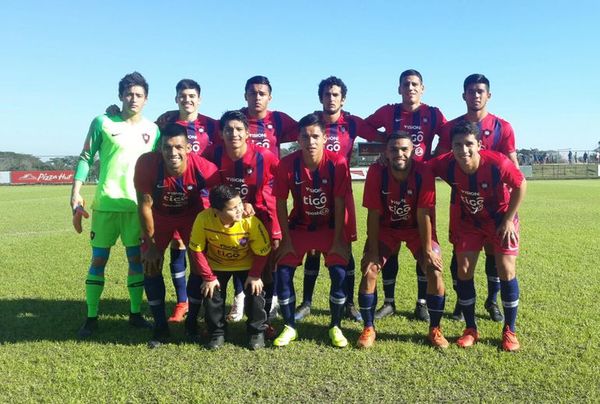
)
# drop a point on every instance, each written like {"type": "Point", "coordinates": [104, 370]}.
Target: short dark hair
{"type": "Point", "coordinates": [310, 120]}
{"type": "Point", "coordinates": [130, 80]}
{"type": "Point", "coordinates": [187, 84]}
{"type": "Point", "coordinates": [332, 81]}
{"type": "Point", "coordinates": [233, 116]}
{"type": "Point", "coordinates": [410, 72]}
{"type": "Point", "coordinates": [220, 195]}
{"type": "Point", "coordinates": [399, 135]}
{"type": "Point", "coordinates": [173, 130]}
{"type": "Point", "coordinates": [258, 80]}
{"type": "Point", "coordinates": [465, 128]}
{"type": "Point", "coordinates": [476, 79]}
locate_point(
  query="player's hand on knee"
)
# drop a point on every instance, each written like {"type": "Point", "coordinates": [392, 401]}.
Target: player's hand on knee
{"type": "Point", "coordinates": [208, 288]}
{"type": "Point", "coordinates": [431, 259]}
{"type": "Point", "coordinates": [254, 285]}
{"type": "Point", "coordinates": [507, 233]}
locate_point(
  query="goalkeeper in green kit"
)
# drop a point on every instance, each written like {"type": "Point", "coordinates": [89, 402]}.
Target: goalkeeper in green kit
{"type": "Point", "coordinates": [118, 140]}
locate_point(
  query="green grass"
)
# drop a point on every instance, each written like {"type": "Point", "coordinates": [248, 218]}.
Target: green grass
{"type": "Point", "coordinates": [42, 270]}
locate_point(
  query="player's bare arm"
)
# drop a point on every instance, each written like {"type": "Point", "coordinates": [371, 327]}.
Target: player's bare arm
{"type": "Point", "coordinates": [372, 262]}
{"type": "Point", "coordinates": [506, 230]}
{"type": "Point", "coordinates": [285, 247]}
{"type": "Point", "coordinates": [431, 258]}
{"type": "Point", "coordinates": [339, 246]}
{"type": "Point", "coordinates": [151, 256]}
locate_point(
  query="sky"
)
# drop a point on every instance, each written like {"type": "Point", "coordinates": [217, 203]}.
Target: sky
{"type": "Point", "coordinates": [61, 61]}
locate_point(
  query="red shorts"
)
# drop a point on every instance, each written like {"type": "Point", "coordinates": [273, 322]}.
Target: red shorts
{"type": "Point", "coordinates": [167, 228]}
{"type": "Point", "coordinates": [390, 239]}
{"type": "Point", "coordinates": [305, 241]}
{"type": "Point", "coordinates": [350, 216]}
{"type": "Point", "coordinates": [466, 237]}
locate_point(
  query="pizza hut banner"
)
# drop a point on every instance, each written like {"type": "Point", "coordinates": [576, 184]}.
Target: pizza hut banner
{"type": "Point", "coordinates": [42, 177]}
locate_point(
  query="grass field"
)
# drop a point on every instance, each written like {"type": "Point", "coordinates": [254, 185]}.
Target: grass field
{"type": "Point", "coordinates": [43, 263]}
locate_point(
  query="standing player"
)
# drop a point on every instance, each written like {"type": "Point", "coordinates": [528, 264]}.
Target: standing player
{"type": "Point", "coordinates": [118, 140]}
{"type": "Point", "coordinates": [400, 197]}
{"type": "Point", "coordinates": [202, 132]}
{"type": "Point", "coordinates": [422, 122]}
{"type": "Point", "coordinates": [496, 135]}
{"type": "Point", "coordinates": [487, 190]}
{"type": "Point", "coordinates": [250, 170]}
{"type": "Point", "coordinates": [224, 243]}
{"type": "Point", "coordinates": [318, 180]}
{"type": "Point", "coordinates": [267, 129]}
{"type": "Point", "coordinates": [170, 184]}
{"type": "Point", "coordinates": [341, 130]}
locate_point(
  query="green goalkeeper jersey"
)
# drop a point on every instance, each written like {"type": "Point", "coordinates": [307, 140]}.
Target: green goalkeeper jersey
{"type": "Point", "coordinates": [118, 144]}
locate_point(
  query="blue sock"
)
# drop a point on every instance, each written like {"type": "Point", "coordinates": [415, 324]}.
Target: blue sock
{"type": "Point", "coordinates": [274, 284]}
{"type": "Point", "coordinates": [389, 272]}
{"type": "Point", "coordinates": [454, 271]}
{"type": "Point", "coordinates": [349, 280]}
{"type": "Point", "coordinates": [312, 264]}
{"type": "Point", "coordinates": [238, 285]}
{"type": "Point", "coordinates": [194, 296]}
{"type": "Point", "coordinates": [367, 303]}
{"type": "Point", "coordinates": [435, 307]}
{"type": "Point", "coordinates": [337, 295]}
{"type": "Point", "coordinates": [493, 282]}
{"type": "Point", "coordinates": [155, 292]}
{"type": "Point", "coordinates": [421, 284]}
{"type": "Point", "coordinates": [178, 264]}
{"type": "Point", "coordinates": [286, 294]}
{"type": "Point", "coordinates": [466, 299]}
{"type": "Point", "coordinates": [510, 301]}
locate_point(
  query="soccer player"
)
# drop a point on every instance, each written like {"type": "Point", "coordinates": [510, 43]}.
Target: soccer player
{"type": "Point", "coordinates": [249, 169]}
{"type": "Point", "coordinates": [341, 130]}
{"type": "Point", "coordinates": [318, 181]}
{"type": "Point", "coordinates": [202, 133]}
{"type": "Point", "coordinates": [267, 129]}
{"type": "Point", "coordinates": [400, 197]}
{"type": "Point", "coordinates": [170, 185]}
{"type": "Point", "coordinates": [224, 243]}
{"type": "Point", "coordinates": [118, 140]}
{"type": "Point", "coordinates": [422, 122]}
{"type": "Point", "coordinates": [496, 135]}
{"type": "Point", "coordinates": [487, 190]}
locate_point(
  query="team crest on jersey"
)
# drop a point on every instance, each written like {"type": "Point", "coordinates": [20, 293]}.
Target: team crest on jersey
{"type": "Point", "coordinates": [324, 181]}
{"type": "Point", "coordinates": [484, 185]}
{"type": "Point", "coordinates": [243, 241]}
{"type": "Point", "coordinates": [269, 126]}
{"type": "Point", "coordinates": [190, 187]}
{"type": "Point", "coordinates": [201, 130]}
{"type": "Point", "coordinates": [249, 170]}
{"type": "Point", "coordinates": [487, 132]}
{"type": "Point", "coordinates": [409, 192]}
{"type": "Point", "coordinates": [146, 137]}
{"type": "Point", "coordinates": [92, 235]}
{"type": "Point", "coordinates": [425, 120]}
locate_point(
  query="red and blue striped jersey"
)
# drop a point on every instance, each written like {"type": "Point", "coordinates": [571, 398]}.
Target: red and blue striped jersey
{"type": "Point", "coordinates": [175, 196]}
{"type": "Point", "coordinates": [253, 176]}
{"type": "Point", "coordinates": [422, 125]}
{"type": "Point", "coordinates": [496, 134]}
{"type": "Point", "coordinates": [313, 191]}
{"type": "Point", "coordinates": [203, 132]}
{"type": "Point", "coordinates": [484, 195]}
{"type": "Point", "coordinates": [398, 201]}
{"type": "Point", "coordinates": [271, 131]}
{"type": "Point", "coordinates": [342, 134]}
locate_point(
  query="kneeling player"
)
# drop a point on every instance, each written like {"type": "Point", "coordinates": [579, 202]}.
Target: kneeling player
{"type": "Point", "coordinates": [318, 180]}
{"type": "Point", "coordinates": [400, 198]}
{"type": "Point", "coordinates": [222, 244]}
{"type": "Point", "coordinates": [170, 184]}
{"type": "Point", "coordinates": [480, 181]}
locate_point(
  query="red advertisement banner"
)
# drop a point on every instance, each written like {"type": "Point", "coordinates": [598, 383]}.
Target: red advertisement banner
{"type": "Point", "coordinates": [42, 177]}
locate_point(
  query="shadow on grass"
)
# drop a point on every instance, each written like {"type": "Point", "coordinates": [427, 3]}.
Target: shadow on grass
{"type": "Point", "coordinates": [25, 320]}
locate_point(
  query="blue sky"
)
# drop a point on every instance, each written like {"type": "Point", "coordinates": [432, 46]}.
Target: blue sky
{"type": "Point", "coordinates": [61, 61]}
